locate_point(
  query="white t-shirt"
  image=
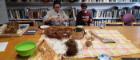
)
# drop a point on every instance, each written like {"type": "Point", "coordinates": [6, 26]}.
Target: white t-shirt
{"type": "Point", "coordinates": [53, 14]}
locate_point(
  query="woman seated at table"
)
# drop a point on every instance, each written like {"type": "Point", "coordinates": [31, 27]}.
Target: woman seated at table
{"type": "Point", "coordinates": [56, 16]}
{"type": "Point", "coordinates": [84, 16]}
{"type": "Point", "coordinates": [128, 19]}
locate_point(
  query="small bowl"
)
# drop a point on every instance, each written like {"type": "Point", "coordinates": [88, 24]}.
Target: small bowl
{"type": "Point", "coordinates": [44, 26]}
{"type": "Point", "coordinates": [79, 28]}
{"type": "Point", "coordinates": [26, 48]}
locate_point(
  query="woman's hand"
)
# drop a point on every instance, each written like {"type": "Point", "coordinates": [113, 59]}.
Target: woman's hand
{"type": "Point", "coordinates": [57, 19]}
{"type": "Point", "coordinates": [53, 19]}
{"type": "Point", "coordinates": [62, 20]}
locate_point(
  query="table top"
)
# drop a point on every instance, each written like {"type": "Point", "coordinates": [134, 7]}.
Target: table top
{"type": "Point", "coordinates": [130, 32]}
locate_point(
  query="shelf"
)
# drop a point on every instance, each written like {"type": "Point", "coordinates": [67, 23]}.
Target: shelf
{"type": "Point", "coordinates": [63, 3]}
{"type": "Point", "coordinates": [41, 19]}
{"type": "Point", "coordinates": [25, 19]}
{"type": "Point", "coordinates": [106, 18]}
{"type": "Point", "coordinates": [101, 18]}
{"type": "Point", "coordinates": [28, 4]}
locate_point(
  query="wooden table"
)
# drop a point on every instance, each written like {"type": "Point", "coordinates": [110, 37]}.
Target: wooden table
{"type": "Point", "coordinates": [10, 53]}
{"type": "Point", "coordinates": [132, 33]}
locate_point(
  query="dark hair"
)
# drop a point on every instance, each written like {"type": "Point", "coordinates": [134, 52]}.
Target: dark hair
{"type": "Point", "coordinates": [72, 49]}
{"type": "Point", "coordinates": [84, 5]}
{"type": "Point", "coordinates": [56, 2]}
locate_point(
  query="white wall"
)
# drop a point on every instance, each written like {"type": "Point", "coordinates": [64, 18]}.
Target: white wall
{"type": "Point", "coordinates": [3, 12]}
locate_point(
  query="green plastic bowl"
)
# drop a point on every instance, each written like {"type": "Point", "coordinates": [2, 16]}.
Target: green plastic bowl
{"type": "Point", "coordinates": [26, 48]}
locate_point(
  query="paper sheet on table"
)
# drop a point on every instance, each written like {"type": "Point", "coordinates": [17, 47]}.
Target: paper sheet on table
{"type": "Point", "coordinates": [3, 46]}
